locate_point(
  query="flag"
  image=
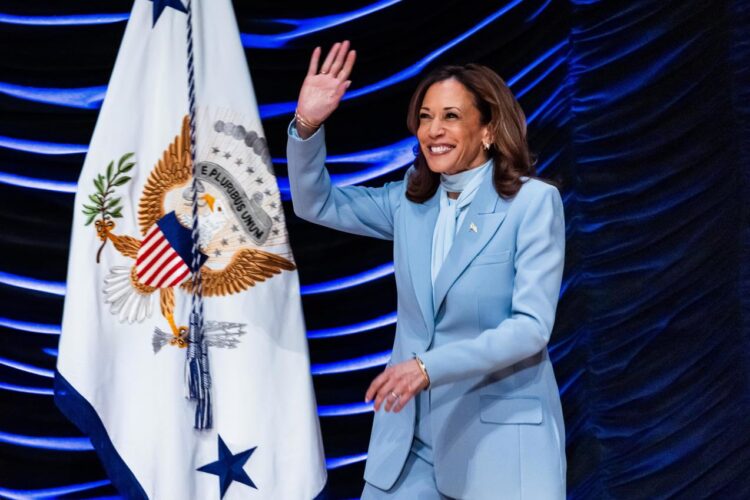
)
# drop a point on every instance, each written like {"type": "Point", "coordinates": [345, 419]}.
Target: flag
{"type": "Point", "coordinates": [121, 372]}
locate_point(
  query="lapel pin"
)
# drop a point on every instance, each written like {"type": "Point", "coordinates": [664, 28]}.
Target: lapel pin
{"type": "Point", "coordinates": [473, 227]}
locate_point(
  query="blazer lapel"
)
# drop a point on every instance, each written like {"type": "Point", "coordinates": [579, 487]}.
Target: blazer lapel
{"type": "Point", "coordinates": [484, 216]}
{"type": "Point", "coordinates": [419, 227]}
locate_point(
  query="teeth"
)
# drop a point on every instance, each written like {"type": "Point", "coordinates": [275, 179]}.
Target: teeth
{"type": "Point", "coordinates": [440, 149]}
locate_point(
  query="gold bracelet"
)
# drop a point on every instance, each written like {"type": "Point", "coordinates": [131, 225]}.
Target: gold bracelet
{"type": "Point", "coordinates": [305, 123]}
{"type": "Point", "coordinates": [423, 369]}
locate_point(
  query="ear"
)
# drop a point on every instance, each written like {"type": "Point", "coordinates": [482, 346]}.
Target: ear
{"type": "Point", "coordinates": [486, 136]}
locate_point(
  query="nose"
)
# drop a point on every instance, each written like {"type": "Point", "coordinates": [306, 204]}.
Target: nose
{"type": "Point", "coordinates": [436, 128]}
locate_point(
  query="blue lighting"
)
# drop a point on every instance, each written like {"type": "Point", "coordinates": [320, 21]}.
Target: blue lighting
{"type": "Point", "coordinates": [396, 152]}
{"type": "Point", "coordinates": [331, 463]}
{"type": "Point", "coordinates": [58, 287]}
{"type": "Point", "coordinates": [43, 391]}
{"type": "Point", "coordinates": [560, 61]}
{"type": "Point", "coordinates": [35, 370]}
{"type": "Point", "coordinates": [49, 351]}
{"type": "Point", "coordinates": [344, 410]}
{"type": "Point", "coordinates": [323, 410]}
{"type": "Point", "coordinates": [565, 284]}
{"type": "Point", "coordinates": [548, 160]}
{"type": "Point", "coordinates": [386, 320]}
{"type": "Point", "coordinates": [47, 443]}
{"type": "Point", "coordinates": [27, 326]}
{"type": "Point", "coordinates": [335, 463]}
{"type": "Point", "coordinates": [571, 380]}
{"type": "Point", "coordinates": [84, 444]}
{"type": "Point", "coordinates": [350, 365]}
{"type": "Point", "coordinates": [280, 108]}
{"type": "Point", "coordinates": [52, 287]}
{"type": "Point", "coordinates": [386, 159]}
{"type": "Point", "coordinates": [342, 283]}
{"type": "Point", "coordinates": [83, 97]}
{"type": "Point", "coordinates": [541, 9]}
{"type": "Point", "coordinates": [304, 27]}
{"type": "Point", "coordinates": [91, 97]}
{"type": "Point", "coordinates": [42, 148]}
{"type": "Point", "coordinates": [64, 20]}
{"type": "Point", "coordinates": [34, 183]}
{"type": "Point", "coordinates": [550, 100]}
{"type": "Point", "coordinates": [53, 492]}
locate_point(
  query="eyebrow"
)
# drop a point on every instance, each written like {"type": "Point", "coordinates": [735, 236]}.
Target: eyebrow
{"type": "Point", "coordinates": [444, 109]}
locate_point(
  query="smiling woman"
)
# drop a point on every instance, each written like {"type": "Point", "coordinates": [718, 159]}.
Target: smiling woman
{"type": "Point", "coordinates": [468, 405]}
{"type": "Point", "coordinates": [451, 130]}
{"type": "Point", "coordinates": [461, 108]}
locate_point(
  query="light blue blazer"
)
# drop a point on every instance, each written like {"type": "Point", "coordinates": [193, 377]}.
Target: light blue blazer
{"type": "Point", "coordinates": [496, 420]}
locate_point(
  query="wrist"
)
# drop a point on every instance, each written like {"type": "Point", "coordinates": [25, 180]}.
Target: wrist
{"type": "Point", "coordinates": [423, 369]}
{"type": "Point", "coordinates": [305, 127]}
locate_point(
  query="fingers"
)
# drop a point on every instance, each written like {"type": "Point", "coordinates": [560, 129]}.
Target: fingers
{"type": "Point", "coordinates": [385, 394]}
{"type": "Point", "coordinates": [375, 386]}
{"type": "Point", "coordinates": [389, 396]}
{"type": "Point", "coordinates": [394, 388]}
{"type": "Point", "coordinates": [401, 402]}
{"type": "Point", "coordinates": [380, 388]}
{"type": "Point", "coordinates": [338, 63]}
{"type": "Point", "coordinates": [341, 88]}
{"type": "Point", "coordinates": [314, 59]}
{"type": "Point", "coordinates": [392, 400]}
{"type": "Point", "coordinates": [348, 65]}
{"type": "Point", "coordinates": [326, 68]}
{"type": "Point", "coordinates": [399, 396]}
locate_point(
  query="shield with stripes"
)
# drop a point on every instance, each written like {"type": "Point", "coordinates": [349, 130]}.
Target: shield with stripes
{"type": "Point", "coordinates": [165, 256]}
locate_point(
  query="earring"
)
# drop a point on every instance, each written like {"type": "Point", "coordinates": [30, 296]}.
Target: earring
{"type": "Point", "coordinates": [486, 146]}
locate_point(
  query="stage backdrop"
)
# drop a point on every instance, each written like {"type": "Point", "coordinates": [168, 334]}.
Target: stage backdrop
{"type": "Point", "coordinates": [639, 110]}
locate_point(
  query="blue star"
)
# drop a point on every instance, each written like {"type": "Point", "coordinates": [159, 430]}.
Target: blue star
{"type": "Point", "coordinates": [160, 5]}
{"type": "Point", "coordinates": [229, 467]}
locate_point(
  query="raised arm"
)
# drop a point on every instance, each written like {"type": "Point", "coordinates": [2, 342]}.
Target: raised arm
{"type": "Point", "coordinates": [359, 210]}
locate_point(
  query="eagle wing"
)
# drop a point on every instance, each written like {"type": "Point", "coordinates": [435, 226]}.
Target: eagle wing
{"type": "Point", "coordinates": [126, 245]}
{"type": "Point", "coordinates": [247, 267]}
{"type": "Point", "coordinates": [173, 169]}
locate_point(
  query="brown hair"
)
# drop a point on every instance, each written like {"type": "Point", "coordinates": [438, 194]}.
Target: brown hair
{"type": "Point", "coordinates": [498, 109]}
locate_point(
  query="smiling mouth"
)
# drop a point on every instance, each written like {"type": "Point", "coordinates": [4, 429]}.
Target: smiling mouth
{"type": "Point", "coordinates": [440, 149]}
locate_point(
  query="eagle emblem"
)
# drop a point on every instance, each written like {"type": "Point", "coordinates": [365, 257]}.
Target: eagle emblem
{"type": "Point", "coordinates": [232, 227]}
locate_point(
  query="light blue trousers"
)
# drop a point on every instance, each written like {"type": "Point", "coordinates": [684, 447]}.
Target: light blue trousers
{"type": "Point", "coordinates": [416, 482]}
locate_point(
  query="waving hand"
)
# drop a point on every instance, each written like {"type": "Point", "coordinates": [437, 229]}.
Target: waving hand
{"type": "Point", "coordinates": [323, 88]}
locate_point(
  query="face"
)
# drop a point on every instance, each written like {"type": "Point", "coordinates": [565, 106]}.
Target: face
{"type": "Point", "coordinates": [450, 130]}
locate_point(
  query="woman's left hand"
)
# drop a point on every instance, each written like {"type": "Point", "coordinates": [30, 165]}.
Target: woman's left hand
{"type": "Point", "coordinates": [396, 386]}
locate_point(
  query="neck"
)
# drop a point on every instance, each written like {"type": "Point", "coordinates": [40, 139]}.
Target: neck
{"type": "Point", "coordinates": [455, 183]}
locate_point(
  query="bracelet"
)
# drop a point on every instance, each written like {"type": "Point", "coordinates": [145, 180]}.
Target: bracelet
{"type": "Point", "coordinates": [423, 369]}
{"type": "Point", "coordinates": [305, 123]}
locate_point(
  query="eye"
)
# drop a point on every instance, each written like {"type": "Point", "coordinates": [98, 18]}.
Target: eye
{"type": "Point", "coordinates": [424, 116]}
{"type": "Point", "coordinates": [451, 115]}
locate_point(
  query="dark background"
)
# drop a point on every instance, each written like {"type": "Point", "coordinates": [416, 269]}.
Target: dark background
{"type": "Point", "coordinates": [638, 109]}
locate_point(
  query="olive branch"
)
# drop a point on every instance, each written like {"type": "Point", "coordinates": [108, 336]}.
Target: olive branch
{"type": "Point", "coordinates": [104, 205]}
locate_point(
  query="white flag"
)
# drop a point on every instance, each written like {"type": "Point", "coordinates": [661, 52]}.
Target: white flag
{"type": "Point", "coordinates": [122, 352]}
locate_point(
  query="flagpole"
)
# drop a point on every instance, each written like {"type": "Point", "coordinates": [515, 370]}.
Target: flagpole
{"type": "Point", "coordinates": [198, 375]}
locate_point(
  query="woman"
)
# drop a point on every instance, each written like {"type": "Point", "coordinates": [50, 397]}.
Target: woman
{"type": "Point", "coordinates": [468, 406]}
